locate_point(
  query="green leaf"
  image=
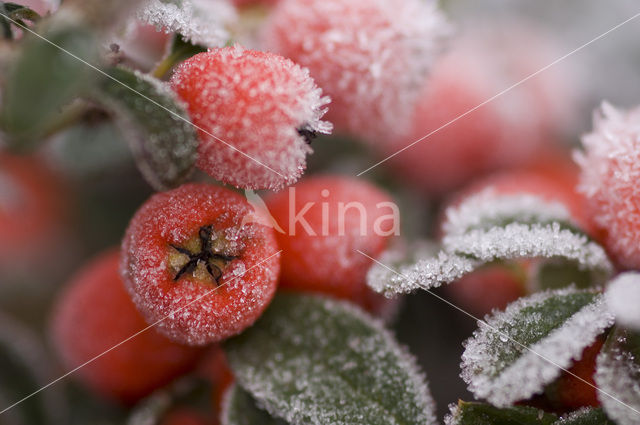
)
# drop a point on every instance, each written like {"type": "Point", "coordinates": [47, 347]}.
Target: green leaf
{"type": "Point", "coordinates": [467, 413]}
{"type": "Point", "coordinates": [240, 409]}
{"type": "Point", "coordinates": [44, 79]}
{"type": "Point", "coordinates": [618, 376]}
{"type": "Point", "coordinates": [486, 229]}
{"type": "Point", "coordinates": [18, 11]}
{"type": "Point", "coordinates": [318, 361]}
{"type": "Point", "coordinates": [514, 354]}
{"type": "Point", "coordinates": [156, 125]}
{"type": "Point", "coordinates": [25, 369]}
{"type": "Point", "coordinates": [180, 51]}
{"type": "Point", "coordinates": [187, 391]}
{"type": "Point", "coordinates": [585, 416]}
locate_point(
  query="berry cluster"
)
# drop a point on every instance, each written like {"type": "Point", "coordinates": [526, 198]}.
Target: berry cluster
{"type": "Point", "coordinates": [188, 277]}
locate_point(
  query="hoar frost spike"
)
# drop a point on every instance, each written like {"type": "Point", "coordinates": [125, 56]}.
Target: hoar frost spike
{"type": "Point", "coordinates": [370, 56]}
{"type": "Point", "coordinates": [256, 113]}
{"type": "Point", "coordinates": [610, 166]}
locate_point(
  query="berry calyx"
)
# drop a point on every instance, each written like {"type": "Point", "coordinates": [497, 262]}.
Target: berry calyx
{"type": "Point", "coordinates": [256, 113]}
{"type": "Point", "coordinates": [325, 221]}
{"type": "Point", "coordinates": [93, 315]}
{"type": "Point", "coordinates": [195, 262]}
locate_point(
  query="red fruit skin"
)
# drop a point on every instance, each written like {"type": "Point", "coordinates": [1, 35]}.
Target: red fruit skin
{"type": "Point", "coordinates": [195, 311]}
{"type": "Point", "coordinates": [570, 392]}
{"type": "Point", "coordinates": [33, 210]}
{"type": "Point", "coordinates": [214, 367]}
{"type": "Point", "coordinates": [329, 263]}
{"type": "Point", "coordinates": [253, 103]}
{"type": "Point", "coordinates": [184, 416]}
{"type": "Point", "coordinates": [486, 289]}
{"type": "Point", "coordinates": [94, 314]}
{"type": "Point", "coordinates": [553, 178]}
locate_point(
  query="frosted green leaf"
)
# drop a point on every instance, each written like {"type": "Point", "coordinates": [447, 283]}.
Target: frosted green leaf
{"type": "Point", "coordinates": [156, 125]}
{"type": "Point", "coordinates": [486, 229]}
{"type": "Point", "coordinates": [585, 416]}
{"type": "Point", "coordinates": [311, 360]}
{"type": "Point", "coordinates": [240, 408]}
{"type": "Point", "coordinates": [514, 354]}
{"type": "Point", "coordinates": [618, 376]}
{"type": "Point", "coordinates": [466, 413]}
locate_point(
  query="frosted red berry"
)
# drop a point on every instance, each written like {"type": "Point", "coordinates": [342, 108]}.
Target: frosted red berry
{"type": "Point", "coordinates": [325, 221]}
{"type": "Point", "coordinates": [454, 139]}
{"type": "Point", "coordinates": [610, 165]}
{"type": "Point", "coordinates": [95, 314]}
{"type": "Point", "coordinates": [256, 113]}
{"type": "Point", "coordinates": [370, 56]}
{"type": "Point", "coordinates": [195, 261]}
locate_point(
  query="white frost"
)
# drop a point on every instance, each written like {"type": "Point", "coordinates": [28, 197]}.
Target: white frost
{"type": "Point", "coordinates": [489, 206]}
{"type": "Point", "coordinates": [623, 299]}
{"type": "Point", "coordinates": [537, 365]}
{"type": "Point", "coordinates": [618, 374]}
{"type": "Point", "coordinates": [201, 22]}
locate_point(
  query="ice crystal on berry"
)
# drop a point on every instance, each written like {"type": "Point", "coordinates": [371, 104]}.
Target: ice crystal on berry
{"type": "Point", "coordinates": [250, 108]}
{"type": "Point", "coordinates": [503, 369]}
{"type": "Point", "coordinates": [610, 172]}
{"type": "Point", "coordinates": [370, 56]}
{"type": "Point", "coordinates": [198, 21]}
{"type": "Point", "coordinates": [623, 298]}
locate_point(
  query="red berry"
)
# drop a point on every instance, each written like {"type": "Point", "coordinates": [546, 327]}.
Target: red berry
{"type": "Point", "coordinates": [215, 369]}
{"type": "Point", "coordinates": [32, 210]}
{"type": "Point", "coordinates": [489, 288]}
{"type": "Point", "coordinates": [370, 56]}
{"type": "Point", "coordinates": [610, 167]}
{"type": "Point", "coordinates": [195, 261]}
{"type": "Point", "coordinates": [94, 314]}
{"type": "Point", "coordinates": [453, 149]}
{"type": "Point", "coordinates": [261, 109]}
{"type": "Point", "coordinates": [326, 220]}
{"type": "Point", "coordinates": [572, 393]}
{"type": "Point", "coordinates": [184, 416]}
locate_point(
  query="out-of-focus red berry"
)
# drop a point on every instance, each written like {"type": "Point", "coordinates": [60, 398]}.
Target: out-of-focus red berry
{"type": "Point", "coordinates": [572, 393]}
{"type": "Point", "coordinates": [95, 314]}
{"type": "Point", "coordinates": [610, 167]}
{"type": "Point", "coordinates": [454, 139]}
{"type": "Point", "coordinates": [370, 56]}
{"type": "Point", "coordinates": [261, 109]}
{"type": "Point", "coordinates": [33, 206]}
{"type": "Point", "coordinates": [185, 416]}
{"type": "Point", "coordinates": [215, 369]}
{"type": "Point", "coordinates": [326, 220]}
{"type": "Point", "coordinates": [491, 287]}
{"type": "Point", "coordinates": [194, 259]}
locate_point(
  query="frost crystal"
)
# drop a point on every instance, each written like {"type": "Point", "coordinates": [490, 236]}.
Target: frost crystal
{"type": "Point", "coordinates": [618, 375]}
{"type": "Point", "coordinates": [623, 299]}
{"type": "Point", "coordinates": [610, 171]}
{"type": "Point", "coordinates": [555, 326]}
{"type": "Point", "coordinates": [370, 56]}
{"type": "Point", "coordinates": [489, 206]}
{"type": "Point", "coordinates": [488, 227]}
{"type": "Point", "coordinates": [198, 21]}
